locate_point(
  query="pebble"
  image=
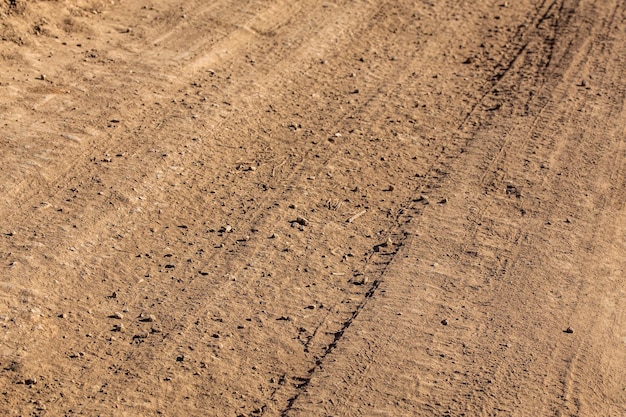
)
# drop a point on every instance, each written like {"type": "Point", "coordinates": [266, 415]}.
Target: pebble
{"type": "Point", "coordinates": [146, 317]}
{"type": "Point", "coordinates": [118, 327]}
{"type": "Point", "coordinates": [569, 330]}
{"type": "Point", "coordinates": [302, 221]}
{"type": "Point", "coordinates": [117, 315]}
{"type": "Point", "coordinates": [30, 381]}
{"type": "Point", "coordinates": [444, 322]}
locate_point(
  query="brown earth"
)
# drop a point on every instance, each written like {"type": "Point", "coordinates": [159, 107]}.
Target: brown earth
{"type": "Point", "coordinates": [305, 208]}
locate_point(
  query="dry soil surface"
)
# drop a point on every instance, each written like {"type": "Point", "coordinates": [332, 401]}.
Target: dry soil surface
{"type": "Point", "coordinates": [313, 208]}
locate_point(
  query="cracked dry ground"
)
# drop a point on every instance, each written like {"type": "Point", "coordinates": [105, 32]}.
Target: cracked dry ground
{"type": "Point", "coordinates": [305, 208]}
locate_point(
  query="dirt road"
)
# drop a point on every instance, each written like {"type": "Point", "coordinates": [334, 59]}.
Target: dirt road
{"type": "Point", "coordinates": [305, 208]}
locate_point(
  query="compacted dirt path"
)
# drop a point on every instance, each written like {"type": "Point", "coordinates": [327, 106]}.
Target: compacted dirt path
{"type": "Point", "coordinates": [342, 208]}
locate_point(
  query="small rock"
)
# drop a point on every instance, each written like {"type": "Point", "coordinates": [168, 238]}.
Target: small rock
{"type": "Point", "coordinates": [118, 327]}
{"type": "Point", "coordinates": [30, 381]}
{"type": "Point", "coordinates": [117, 315]}
{"type": "Point", "coordinates": [364, 280]}
{"type": "Point", "coordinates": [569, 330]}
{"type": "Point", "coordinates": [444, 322]}
{"type": "Point", "coordinates": [302, 221]}
{"type": "Point", "coordinates": [146, 317]}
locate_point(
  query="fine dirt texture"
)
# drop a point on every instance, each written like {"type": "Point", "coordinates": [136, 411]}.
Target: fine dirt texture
{"type": "Point", "coordinates": [313, 208]}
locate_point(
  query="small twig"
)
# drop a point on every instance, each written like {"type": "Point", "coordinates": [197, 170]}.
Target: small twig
{"type": "Point", "coordinates": [356, 216]}
{"type": "Point", "coordinates": [278, 166]}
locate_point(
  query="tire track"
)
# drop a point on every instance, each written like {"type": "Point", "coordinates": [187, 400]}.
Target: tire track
{"type": "Point", "coordinates": [183, 326]}
{"type": "Point", "coordinates": [358, 373]}
{"type": "Point", "coordinates": [234, 274]}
